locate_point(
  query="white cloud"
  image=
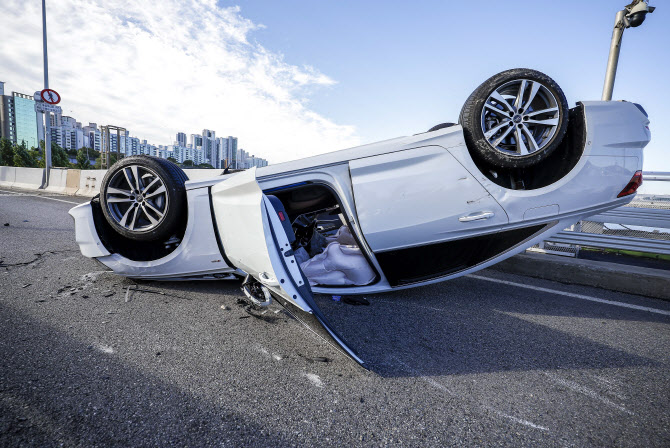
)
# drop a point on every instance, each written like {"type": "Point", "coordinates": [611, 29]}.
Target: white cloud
{"type": "Point", "coordinates": [159, 67]}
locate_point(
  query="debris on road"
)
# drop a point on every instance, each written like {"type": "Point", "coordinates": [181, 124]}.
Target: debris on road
{"type": "Point", "coordinates": [26, 285]}
{"type": "Point", "coordinates": [224, 307]}
{"type": "Point", "coordinates": [128, 294]}
{"type": "Point", "coordinates": [154, 292]}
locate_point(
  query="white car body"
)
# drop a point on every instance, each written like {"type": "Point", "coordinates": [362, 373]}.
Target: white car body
{"type": "Point", "coordinates": [405, 199]}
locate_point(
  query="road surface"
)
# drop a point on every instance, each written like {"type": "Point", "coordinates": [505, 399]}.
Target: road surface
{"type": "Point", "coordinates": [485, 360]}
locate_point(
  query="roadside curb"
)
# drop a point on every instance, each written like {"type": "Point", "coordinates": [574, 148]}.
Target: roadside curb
{"type": "Point", "coordinates": [599, 274]}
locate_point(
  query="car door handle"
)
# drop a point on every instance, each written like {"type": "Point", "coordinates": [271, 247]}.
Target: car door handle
{"type": "Point", "coordinates": [476, 216]}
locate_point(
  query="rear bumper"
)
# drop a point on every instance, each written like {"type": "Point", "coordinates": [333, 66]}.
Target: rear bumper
{"type": "Point", "coordinates": [197, 254]}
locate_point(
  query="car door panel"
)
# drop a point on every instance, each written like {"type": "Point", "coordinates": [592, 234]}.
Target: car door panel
{"type": "Point", "coordinates": [420, 196]}
{"type": "Point", "coordinates": [254, 241]}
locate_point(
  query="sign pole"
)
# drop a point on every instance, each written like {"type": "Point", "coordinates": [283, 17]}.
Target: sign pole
{"type": "Point", "coordinates": [47, 115]}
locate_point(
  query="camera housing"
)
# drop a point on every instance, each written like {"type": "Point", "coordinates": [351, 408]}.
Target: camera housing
{"type": "Point", "coordinates": [637, 12]}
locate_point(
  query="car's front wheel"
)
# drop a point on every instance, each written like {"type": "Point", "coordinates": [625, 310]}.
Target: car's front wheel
{"type": "Point", "coordinates": [515, 119]}
{"type": "Point", "coordinates": [143, 198]}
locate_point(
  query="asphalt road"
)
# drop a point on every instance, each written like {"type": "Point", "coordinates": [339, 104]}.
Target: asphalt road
{"type": "Point", "coordinates": [470, 362]}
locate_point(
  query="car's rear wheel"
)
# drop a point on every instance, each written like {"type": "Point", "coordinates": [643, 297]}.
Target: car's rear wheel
{"type": "Point", "coordinates": [515, 119]}
{"type": "Point", "coordinates": [143, 198]}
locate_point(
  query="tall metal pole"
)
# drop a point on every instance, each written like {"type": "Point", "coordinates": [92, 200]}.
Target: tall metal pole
{"type": "Point", "coordinates": [44, 44]}
{"type": "Point", "coordinates": [47, 116]}
{"type": "Point", "coordinates": [613, 60]}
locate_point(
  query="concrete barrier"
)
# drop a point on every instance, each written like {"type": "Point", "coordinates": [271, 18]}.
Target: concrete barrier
{"type": "Point", "coordinates": [75, 182]}
{"type": "Point", "coordinates": [7, 176]}
{"type": "Point", "coordinates": [89, 182]}
{"type": "Point", "coordinates": [57, 179]}
{"type": "Point", "coordinates": [28, 178]}
{"type": "Point", "coordinates": [72, 181]}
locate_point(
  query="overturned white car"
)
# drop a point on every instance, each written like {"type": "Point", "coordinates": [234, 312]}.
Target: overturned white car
{"type": "Point", "coordinates": [396, 214]}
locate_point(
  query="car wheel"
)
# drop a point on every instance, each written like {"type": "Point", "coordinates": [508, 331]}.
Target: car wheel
{"type": "Point", "coordinates": [515, 119]}
{"type": "Point", "coordinates": [143, 198]}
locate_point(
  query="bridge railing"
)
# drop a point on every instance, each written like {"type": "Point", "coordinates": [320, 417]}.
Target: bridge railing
{"type": "Point", "coordinates": [641, 226]}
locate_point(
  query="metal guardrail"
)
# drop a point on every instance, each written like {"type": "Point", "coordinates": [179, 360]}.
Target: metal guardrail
{"type": "Point", "coordinates": [641, 226]}
{"type": "Point", "coordinates": [635, 216]}
{"type": "Point", "coordinates": [656, 176]}
{"type": "Point", "coordinates": [613, 242]}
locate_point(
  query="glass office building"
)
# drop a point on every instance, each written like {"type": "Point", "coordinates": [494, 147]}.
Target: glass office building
{"type": "Point", "coordinates": [24, 120]}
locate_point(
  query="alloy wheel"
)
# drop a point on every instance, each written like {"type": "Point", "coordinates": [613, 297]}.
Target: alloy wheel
{"type": "Point", "coordinates": [136, 198]}
{"type": "Point", "coordinates": [520, 117]}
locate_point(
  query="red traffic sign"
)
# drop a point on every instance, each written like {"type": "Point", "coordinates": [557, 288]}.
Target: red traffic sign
{"type": "Point", "coordinates": [50, 96]}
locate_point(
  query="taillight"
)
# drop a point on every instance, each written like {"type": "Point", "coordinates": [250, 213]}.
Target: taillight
{"type": "Point", "coordinates": [633, 185]}
{"type": "Point", "coordinates": [281, 216]}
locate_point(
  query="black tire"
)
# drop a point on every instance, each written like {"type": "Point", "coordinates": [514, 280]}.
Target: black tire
{"type": "Point", "coordinates": [437, 127]}
{"type": "Point", "coordinates": [142, 211]}
{"type": "Point", "coordinates": [478, 115]}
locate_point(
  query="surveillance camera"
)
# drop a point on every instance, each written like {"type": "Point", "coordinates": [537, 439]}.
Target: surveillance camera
{"type": "Point", "coordinates": [637, 12]}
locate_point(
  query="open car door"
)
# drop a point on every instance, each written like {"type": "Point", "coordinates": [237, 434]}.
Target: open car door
{"type": "Point", "coordinates": [253, 239]}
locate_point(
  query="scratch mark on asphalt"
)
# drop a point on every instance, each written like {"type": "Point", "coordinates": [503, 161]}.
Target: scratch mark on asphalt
{"type": "Point", "coordinates": [448, 391]}
{"type": "Point", "coordinates": [585, 391]}
{"type": "Point", "coordinates": [517, 420]}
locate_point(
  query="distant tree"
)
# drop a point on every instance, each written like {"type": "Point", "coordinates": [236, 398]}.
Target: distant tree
{"type": "Point", "coordinates": [38, 156]}
{"type": "Point", "coordinates": [112, 160]}
{"type": "Point", "coordinates": [92, 153]}
{"type": "Point", "coordinates": [59, 156]}
{"type": "Point", "coordinates": [6, 152]}
{"type": "Point", "coordinates": [22, 157]}
{"type": "Point", "coordinates": [188, 163]}
{"type": "Point", "coordinates": [205, 165]}
{"type": "Point", "coordinates": [82, 160]}
{"type": "Point", "coordinates": [172, 159]}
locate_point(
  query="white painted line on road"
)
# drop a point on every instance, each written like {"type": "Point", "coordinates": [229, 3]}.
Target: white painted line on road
{"type": "Point", "coordinates": [573, 295]}
{"type": "Point", "coordinates": [13, 193]}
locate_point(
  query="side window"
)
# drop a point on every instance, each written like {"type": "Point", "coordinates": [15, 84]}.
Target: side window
{"type": "Point", "coordinates": [423, 263]}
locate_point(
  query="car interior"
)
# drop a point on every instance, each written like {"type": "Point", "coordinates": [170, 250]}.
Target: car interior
{"type": "Point", "coordinates": [328, 252]}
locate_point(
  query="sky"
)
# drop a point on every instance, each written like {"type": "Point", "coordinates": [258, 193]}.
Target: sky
{"type": "Point", "coordinates": [295, 78]}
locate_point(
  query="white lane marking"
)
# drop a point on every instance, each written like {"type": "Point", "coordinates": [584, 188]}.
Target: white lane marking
{"type": "Point", "coordinates": [573, 295]}
{"type": "Point", "coordinates": [445, 389]}
{"type": "Point", "coordinates": [586, 391]}
{"type": "Point", "coordinates": [12, 193]}
{"type": "Point", "coordinates": [314, 379]}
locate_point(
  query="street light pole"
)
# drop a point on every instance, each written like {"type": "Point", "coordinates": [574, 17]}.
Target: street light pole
{"type": "Point", "coordinates": [631, 16]}
{"type": "Point", "coordinates": [613, 60]}
{"type": "Point", "coordinates": [47, 115]}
